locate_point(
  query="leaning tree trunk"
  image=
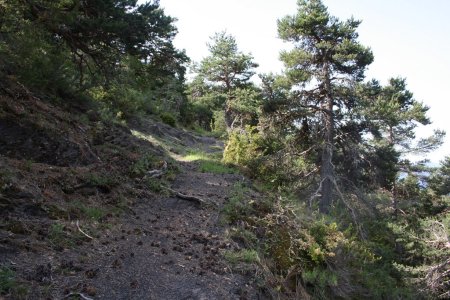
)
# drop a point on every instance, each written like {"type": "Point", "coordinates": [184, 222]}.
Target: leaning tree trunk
{"type": "Point", "coordinates": [326, 171]}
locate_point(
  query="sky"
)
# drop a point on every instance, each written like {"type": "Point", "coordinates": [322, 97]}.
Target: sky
{"type": "Point", "coordinates": [409, 38]}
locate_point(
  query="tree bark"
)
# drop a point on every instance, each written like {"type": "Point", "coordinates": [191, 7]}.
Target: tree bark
{"type": "Point", "coordinates": [326, 172]}
{"type": "Point", "coordinates": [228, 118]}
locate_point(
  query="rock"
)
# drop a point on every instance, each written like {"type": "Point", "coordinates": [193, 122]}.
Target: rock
{"type": "Point", "coordinates": [17, 227]}
{"type": "Point", "coordinates": [90, 290]}
{"type": "Point", "coordinates": [91, 273]}
{"type": "Point", "coordinates": [17, 191]}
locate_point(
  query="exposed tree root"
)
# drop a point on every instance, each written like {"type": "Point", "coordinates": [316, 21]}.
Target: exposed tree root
{"type": "Point", "coordinates": [198, 201]}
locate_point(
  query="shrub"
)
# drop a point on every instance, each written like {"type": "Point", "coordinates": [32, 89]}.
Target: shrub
{"type": "Point", "coordinates": [218, 125]}
{"type": "Point", "coordinates": [144, 164]}
{"type": "Point", "coordinates": [118, 101]}
{"type": "Point", "coordinates": [243, 147]}
{"type": "Point", "coordinates": [7, 280]}
{"type": "Point", "coordinates": [10, 286]}
{"type": "Point", "coordinates": [168, 118]}
{"type": "Point", "coordinates": [238, 207]}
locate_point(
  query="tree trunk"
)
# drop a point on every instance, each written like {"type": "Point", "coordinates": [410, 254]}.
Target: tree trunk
{"type": "Point", "coordinates": [326, 172]}
{"type": "Point", "coordinates": [228, 118]}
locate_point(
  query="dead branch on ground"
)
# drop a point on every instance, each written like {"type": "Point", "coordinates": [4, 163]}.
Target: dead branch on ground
{"type": "Point", "coordinates": [84, 233]}
{"type": "Point", "coordinates": [194, 199]}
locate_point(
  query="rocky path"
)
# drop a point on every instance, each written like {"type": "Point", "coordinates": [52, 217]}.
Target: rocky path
{"type": "Point", "coordinates": [59, 176]}
{"type": "Point", "coordinates": [170, 249]}
{"type": "Point", "coordinates": [159, 247]}
{"type": "Point", "coordinates": [165, 248]}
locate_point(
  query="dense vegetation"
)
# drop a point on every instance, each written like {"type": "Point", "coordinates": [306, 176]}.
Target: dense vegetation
{"type": "Point", "coordinates": [348, 216]}
{"type": "Point", "coordinates": [116, 53]}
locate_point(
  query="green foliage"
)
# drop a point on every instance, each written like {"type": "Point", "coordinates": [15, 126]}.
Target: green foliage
{"type": "Point", "coordinates": [9, 285]}
{"type": "Point", "coordinates": [238, 206]}
{"type": "Point", "coordinates": [300, 248]}
{"type": "Point", "coordinates": [243, 147]}
{"type": "Point", "coordinates": [218, 125]}
{"type": "Point", "coordinates": [58, 237]}
{"type": "Point", "coordinates": [221, 94]}
{"type": "Point", "coordinates": [247, 256]}
{"type": "Point", "coordinates": [210, 162]}
{"type": "Point", "coordinates": [92, 213]}
{"type": "Point", "coordinates": [145, 163]}
{"type": "Point", "coordinates": [440, 179]}
{"type": "Point", "coordinates": [123, 68]}
{"type": "Point", "coordinates": [168, 119]}
{"type": "Point", "coordinates": [100, 180]}
{"type": "Point", "coordinates": [6, 177]}
{"type": "Point", "coordinates": [7, 281]}
{"type": "Point", "coordinates": [154, 185]}
{"type": "Point", "coordinates": [226, 66]}
{"type": "Point", "coordinates": [118, 101]}
{"type": "Point", "coordinates": [215, 167]}
{"type": "Point", "coordinates": [262, 156]}
{"type": "Point", "coordinates": [244, 236]}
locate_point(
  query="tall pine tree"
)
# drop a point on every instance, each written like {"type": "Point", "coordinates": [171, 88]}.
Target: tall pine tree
{"type": "Point", "coordinates": [326, 61]}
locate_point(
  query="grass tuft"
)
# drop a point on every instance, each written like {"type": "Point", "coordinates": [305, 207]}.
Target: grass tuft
{"type": "Point", "coordinates": [216, 168]}
{"type": "Point", "coordinates": [248, 256]}
{"type": "Point", "coordinates": [210, 162]}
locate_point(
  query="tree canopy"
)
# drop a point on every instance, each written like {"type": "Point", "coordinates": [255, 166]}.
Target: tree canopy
{"type": "Point", "coordinates": [327, 60]}
{"type": "Point", "coordinates": [345, 214]}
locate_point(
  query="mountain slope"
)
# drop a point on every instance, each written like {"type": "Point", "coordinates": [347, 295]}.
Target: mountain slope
{"type": "Point", "coordinates": [82, 216]}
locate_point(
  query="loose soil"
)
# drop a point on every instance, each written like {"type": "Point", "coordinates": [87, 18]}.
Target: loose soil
{"type": "Point", "coordinates": [64, 176]}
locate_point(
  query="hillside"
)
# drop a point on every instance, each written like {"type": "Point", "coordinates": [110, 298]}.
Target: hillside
{"type": "Point", "coordinates": [81, 215]}
{"type": "Point", "coordinates": [115, 185]}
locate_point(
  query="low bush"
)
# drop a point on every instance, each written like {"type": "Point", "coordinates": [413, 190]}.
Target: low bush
{"type": "Point", "coordinates": [168, 118]}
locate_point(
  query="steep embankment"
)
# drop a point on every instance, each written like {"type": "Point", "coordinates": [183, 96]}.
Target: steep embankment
{"type": "Point", "coordinates": [81, 216]}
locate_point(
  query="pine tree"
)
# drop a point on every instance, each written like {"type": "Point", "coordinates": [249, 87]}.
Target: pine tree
{"type": "Point", "coordinates": [326, 61]}
{"type": "Point", "coordinates": [228, 71]}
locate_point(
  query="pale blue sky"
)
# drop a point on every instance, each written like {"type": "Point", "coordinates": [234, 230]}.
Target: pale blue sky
{"type": "Point", "coordinates": [409, 38]}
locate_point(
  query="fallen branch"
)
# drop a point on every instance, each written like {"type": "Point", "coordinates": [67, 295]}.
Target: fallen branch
{"type": "Point", "coordinates": [194, 199]}
{"type": "Point", "coordinates": [157, 172]}
{"type": "Point", "coordinates": [82, 296]}
{"type": "Point", "coordinates": [84, 233]}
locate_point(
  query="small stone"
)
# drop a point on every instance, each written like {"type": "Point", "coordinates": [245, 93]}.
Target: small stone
{"type": "Point", "coordinates": [134, 284]}
{"type": "Point", "coordinates": [91, 273]}
{"type": "Point", "coordinates": [90, 290]}
{"type": "Point", "coordinates": [116, 264]}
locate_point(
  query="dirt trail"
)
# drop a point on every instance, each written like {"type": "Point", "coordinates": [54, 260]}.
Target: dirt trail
{"type": "Point", "coordinates": [169, 248]}
{"type": "Point", "coordinates": [162, 247]}
{"type": "Point", "coordinates": [58, 169]}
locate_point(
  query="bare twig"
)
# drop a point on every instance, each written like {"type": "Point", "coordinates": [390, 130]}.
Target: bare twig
{"type": "Point", "coordinates": [437, 278]}
{"type": "Point", "coordinates": [316, 194]}
{"type": "Point", "coordinates": [82, 296]}
{"type": "Point", "coordinates": [351, 209]}
{"type": "Point", "coordinates": [84, 233]}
